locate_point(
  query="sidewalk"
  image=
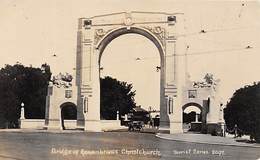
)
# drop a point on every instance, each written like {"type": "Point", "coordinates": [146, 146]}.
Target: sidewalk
{"type": "Point", "coordinates": [40, 131]}
{"type": "Point", "coordinates": [145, 130]}
{"type": "Point", "coordinates": [28, 130]}
{"type": "Point", "coordinates": [206, 139]}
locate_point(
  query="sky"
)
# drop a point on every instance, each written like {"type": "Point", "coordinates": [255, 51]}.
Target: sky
{"type": "Point", "coordinates": [32, 31]}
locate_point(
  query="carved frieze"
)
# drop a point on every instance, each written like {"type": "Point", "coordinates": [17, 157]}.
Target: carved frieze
{"type": "Point", "coordinates": [128, 20]}
{"type": "Point", "coordinates": [99, 34]}
{"type": "Point", "coordinates": [158, 31]}
{"type": "Point", "coordinates": [62, 80]}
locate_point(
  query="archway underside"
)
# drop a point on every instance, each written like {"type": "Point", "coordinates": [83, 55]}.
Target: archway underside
{"type": "Point", "coordinates": [164, 118]}
{"type": "Point", "coordinates": [134, 30]}
{"type": "Point", "coordinates": [68, 114]}
{"type": "Point", "coordinates": [197, 123]}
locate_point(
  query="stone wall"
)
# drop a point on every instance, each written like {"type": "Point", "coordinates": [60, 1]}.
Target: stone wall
{"type": "Point", "coordinates": [32, 123]}
{"type": "Point", "coordinates": [69, 124]}
{"type": "Point", "coordinates": [110, 124]}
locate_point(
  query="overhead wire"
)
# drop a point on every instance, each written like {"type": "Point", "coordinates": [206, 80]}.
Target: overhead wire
{"type": "Point", "coordinates": [202, 31]}
{"type": "Point", "coordinates": [210, 52]}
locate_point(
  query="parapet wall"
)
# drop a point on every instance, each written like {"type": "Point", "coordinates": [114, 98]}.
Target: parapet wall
{"type": "Point", "coordinates": [106, 125]}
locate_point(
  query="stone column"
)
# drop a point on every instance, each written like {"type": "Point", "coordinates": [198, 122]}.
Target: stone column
{"type": "Point", "coordinates": [22, 118]}
{"type": "Point", "coordinates": [117, 115]}
{"type": "Point", "coordinates": [176, 118]}
{"type": "Point", "coordinates": [126, 118]}
{"type": "Point", "coordinates": [204, 118]}
{"type": "Point", "coordinates": [197, 117]}
{"type": "Point", "coordinates": [92, 115]}
{"type": "Point", "coordinates": [169, 91]}
{"type": "Point", "coordinates": [82, 105]}
{"type": "Point", "coordinates": [53, 112]}
{"type": "Point", "coordinates": [88, 80]}
{"type": "Point", "coordinates": [175, 71]}
{"type": "Point", "coordinates": [81, 99]}
{"type": "Point", "coordinates": [22, 113]}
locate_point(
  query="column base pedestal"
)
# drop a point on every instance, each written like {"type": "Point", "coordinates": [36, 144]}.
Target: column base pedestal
{"type": "Point", "coordinates": [164, 130]}
{"type": "Point", "coordinates": [176, 127]}
{"type": "Point", "coordinates": [93, 126]}
{"type": "Point", "coordinates": [53, 124]}
{"type": "Point", "coordinates": [164, 126]}
{"type": "Point", "coordinates": [80, 124]}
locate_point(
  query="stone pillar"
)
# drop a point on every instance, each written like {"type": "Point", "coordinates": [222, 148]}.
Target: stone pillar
{"type": "Point", "coordinates": [92, 115]}
{"type": "Point", "coordinates": [214, 112]}
{"type": "Point", "coordinates": [22, 114]}
{"type": "Point", "coordinates": [213, 115]}
{"type": "Point", "coordinates": [82, 105]}
{"type": "Point", "coordinates": [126, 118]}
{"type": "Point", "coordinates": [175, 71]}
{"type": "Point", "coordinates": [197, 117]}
{"type": "Point", "coordinates": [176, 118]}
{"type": "Point", "coordinates": [82, 101]}
{"type": "Point", "coordinates": [88, 80]}
{"type": "Point", "coordinates": [204, 118]}
{"type": "Point", "coordinates": [52, 112]}
{"type": "Point", "coordinates": [169, 90]}
{"type": "Point", "coordinates": [117, 115]}
{"type": "Point", "coordinates": [22, 118]}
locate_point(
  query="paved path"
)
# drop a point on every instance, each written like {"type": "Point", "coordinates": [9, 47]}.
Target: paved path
{"type": "Point", "coordinates": [207, 139]}
{"type": "Point", "coordinates": [187, 137]}
{"type": "Point", "coordinates": [72, 145]}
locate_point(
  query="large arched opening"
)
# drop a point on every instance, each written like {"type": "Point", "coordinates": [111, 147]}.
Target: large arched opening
{"type": "Point", "coordinates": [68, 115]}
{"type": "Point", "coordinates": [161, 68]}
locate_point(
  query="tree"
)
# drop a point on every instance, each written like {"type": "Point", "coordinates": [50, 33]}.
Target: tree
{"type": "Point", "coordinates": [243, 110]}
{"type": "Point", "coordinates": [34, 90]}
{"type": "Point", "coordinates": [115, 96]}
{"type": "Point", "coordinates": [23, 84]}
{"type": "Point", "coordinates": [9, 104]}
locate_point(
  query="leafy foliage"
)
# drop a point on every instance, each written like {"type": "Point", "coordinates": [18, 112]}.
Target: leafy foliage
{"type": "Point", "coordinates": [8, 101]}
{"type": "Point", "coordinates": [23, 84]}
{"type": "Point", "coordinates": [115, 96]}
{"type": "Point", "coordinates": [244, 110]}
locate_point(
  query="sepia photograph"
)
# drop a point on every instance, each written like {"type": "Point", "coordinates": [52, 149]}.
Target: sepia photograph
{"type": "Point", "coordinates": [129, 79]}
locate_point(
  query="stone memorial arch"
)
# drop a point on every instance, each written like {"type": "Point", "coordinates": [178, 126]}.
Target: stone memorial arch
{"type": "Point", "coordinates": [165, 30]}
{"type": "Point", "coordinates": [95, 33]}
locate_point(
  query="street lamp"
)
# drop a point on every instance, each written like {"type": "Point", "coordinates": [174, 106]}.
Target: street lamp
{"type": "Point", "coordinates": [158, 68]}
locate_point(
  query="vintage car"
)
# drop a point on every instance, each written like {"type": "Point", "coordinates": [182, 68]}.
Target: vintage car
{"type": "Point", "coordinates": [135, 126]}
